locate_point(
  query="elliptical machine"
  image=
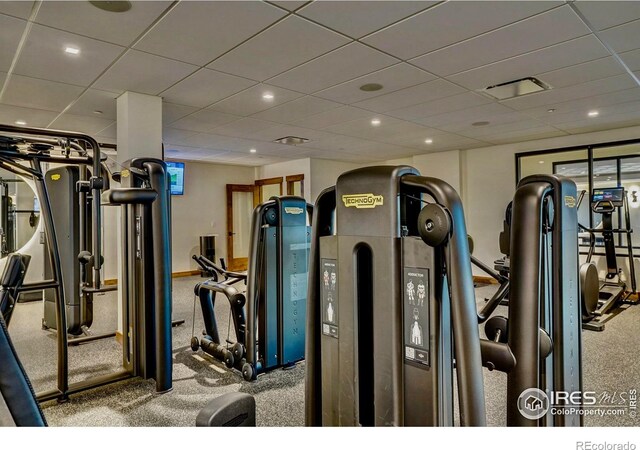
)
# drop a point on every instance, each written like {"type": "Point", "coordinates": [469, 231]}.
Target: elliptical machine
{"type": "Point", "coordinates": [612, 290]}
{"type": "Point", "coordinates": [269, 322]}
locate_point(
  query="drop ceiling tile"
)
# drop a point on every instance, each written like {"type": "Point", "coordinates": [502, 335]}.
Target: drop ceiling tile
{"type": "Point", "coordinates": [246, 127]}
{"type": "Point", "coordinates": [342, 156]}
{"type": "Point", "coordinates": [611, 122]}
{"type": "Point", "coordinates": [586, 104]}
{"type": "Point", "coordinates": [414, 95]}
{"type": "Point", "coordinates": [356, 18]}
{"type": "Point", "coordinates": [623, 37]}
{"type": "Point", "coordinates": [11, 30]}
{"type": "Point", "coordinates": [459, 119]}
{"type": "Point", "coordinates": [631, 59]}
{"type": "Point", "coordinates": [209, 140]}
{"type": "Point", "coordinates": [250, 101]}
{"type": "Point", "coordinates": [172, 112]}
{"type": "Point", "coordinates": [500, 128]}
{"type": "Point", "coordinates": [605, 14]}
{"type": "Point", "coordinates": [451, 22]}
{"type": "Point", "coordinates": [34, 117]}
{"type": "Point", "coordinates": [392, 78]}
{"type": "Point", "coordinates": [631, 108]}
{"type": "Point", "coordinates": [582, 73]}
{"type": "Point", "coordinates": [203, 121]}
{"type": "Point", "coordinates": [144, 73]}
{"type": "Point", "coordinates": [340, 65]}
{"type": "Point", "coordinates": [174, 136]}
{"type": "Point", "coordinates": [333, 117]}
{"type": "Point", "coordinates": [43, 56]}
{"type": "Point", "coordinates": [525, 135]}
{"type": "Point", "coordinates": [291, 42]}
{"type": "Point", "coordinates": [290, 5]}
{"type": "Point", "coordinates": [569, 53]}
{"type": "Point", "coordinates": [296, 110]}
{"type": "Point", "coordinates": [363, 128]}
{"type": "Point", "coordinates": [111, 132]}
{"type": "Point", "coordinates": [560, 24]}
{"type": "Point", "coordinates": [279, 131]}
{"type": "Point", "coordinates": [441, 106]}
{"type": "Point", "coordinates": [85, 19]}
{"type": "Point", "coordinates": [198, 32]}
{"type": "Point", "coordinates": [21, 9]}
{"type": "Point", "coordinates": [96, 100]}
{"type": "Point", "coordinates": [205, 87]}
{"type": "Point", "coordinates": [39, 94]}
{"type": "Point", "coordinates": [84, 124]}
{"type": "Point", "coordinates": [583, 90]}
{"type": "Point", "coordinates": [336, 142]}
{"type": "Point", "coordinates": [441, 141]}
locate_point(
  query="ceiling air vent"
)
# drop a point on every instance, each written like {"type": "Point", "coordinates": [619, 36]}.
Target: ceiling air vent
{"type": "Point", "coordinates": [516, 88]}
{"type": "Point", "coordinates": [292, 140]}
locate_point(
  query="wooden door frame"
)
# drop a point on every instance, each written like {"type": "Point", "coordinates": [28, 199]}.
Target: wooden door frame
{"type": "Point", "coordinates": [292, 179]}
{"type": "Point", "coordinates": [257, 193]}
{"type": "Point", "coordinates": [235, 263]}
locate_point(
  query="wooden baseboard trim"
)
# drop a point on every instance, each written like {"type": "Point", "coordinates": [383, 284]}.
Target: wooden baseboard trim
{"type": "Point", "coordinates": [185, 273]}
{"type": "Point", "coordinates": [119, 337]}
{"type": "Point", "coordinates": [484, 280]}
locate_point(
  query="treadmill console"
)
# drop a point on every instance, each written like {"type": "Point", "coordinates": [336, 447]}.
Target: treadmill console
{"type": "Point", "coordinates": [606, 199]}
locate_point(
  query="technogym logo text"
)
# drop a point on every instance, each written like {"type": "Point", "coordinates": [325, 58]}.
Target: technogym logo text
{"type": "Point", "coordinates": [366, 201]}
{"type": "Point", "coordinates": [293, 210]}
{"type": "Point", "coordinates": [534, 403]}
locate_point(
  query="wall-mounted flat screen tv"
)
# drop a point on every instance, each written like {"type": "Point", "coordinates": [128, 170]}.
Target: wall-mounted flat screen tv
{"type": "Point", "coordinates": [176, 175]}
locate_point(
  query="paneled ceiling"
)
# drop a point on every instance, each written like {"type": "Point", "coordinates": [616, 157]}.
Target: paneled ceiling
{"type": "Point", "coordinates": [213, 62]}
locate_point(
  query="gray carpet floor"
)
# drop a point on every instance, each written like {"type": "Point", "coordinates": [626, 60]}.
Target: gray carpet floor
{"type": "Point", "coordinates": [610, 364]}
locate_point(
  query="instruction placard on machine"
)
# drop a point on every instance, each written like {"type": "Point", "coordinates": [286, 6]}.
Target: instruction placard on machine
{"type": "Point", "coordinates": [416, 314]}
{"type": "Point", "coordinates": [329, 289]}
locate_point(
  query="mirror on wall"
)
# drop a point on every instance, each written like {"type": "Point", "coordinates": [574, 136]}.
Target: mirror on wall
{"type": "Point", "coordinates": [19, 212]}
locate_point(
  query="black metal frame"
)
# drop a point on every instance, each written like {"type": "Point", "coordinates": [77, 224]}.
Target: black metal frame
{"type": "Point", "coordinates": [157, 340]}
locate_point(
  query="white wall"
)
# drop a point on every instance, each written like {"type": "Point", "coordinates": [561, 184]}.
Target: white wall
{"type": "Point", "coordinates": [203, 209]}
{"type": "Point", "coordinates": [325, 172]}
{"type": "Point", "coordinates": [295, 167]}
{"type": "Point", "coordinates": [443, 165]}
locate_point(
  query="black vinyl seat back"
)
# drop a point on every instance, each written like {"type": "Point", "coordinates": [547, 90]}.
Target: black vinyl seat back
{"type": "Point", "coordinates": [18, 404]}
{"type": "Point", "coordinates": [10, 282]}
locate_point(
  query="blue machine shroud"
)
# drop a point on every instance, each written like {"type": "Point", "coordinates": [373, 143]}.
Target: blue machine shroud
{"type": "Point", "coordinates": [294, 236]}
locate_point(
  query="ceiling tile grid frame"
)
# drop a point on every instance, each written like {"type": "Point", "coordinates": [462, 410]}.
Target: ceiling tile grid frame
{"type": "Point", "coordinates": [569, 94]}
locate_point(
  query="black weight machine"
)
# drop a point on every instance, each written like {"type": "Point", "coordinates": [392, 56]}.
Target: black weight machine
{"type": "Point", "coordinates": [403, 312]}
{"type": "Point", "coordinates": [269, 321]}
{"type": "Point", "coordinates": [612, 290]}
{"type": "Point", "coordinates": [146, 265]}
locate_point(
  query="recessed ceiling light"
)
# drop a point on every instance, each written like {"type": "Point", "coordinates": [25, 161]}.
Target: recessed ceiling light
{"type": "Point", "coordinates": [72, 50]}
{"type": "Point", "coordinates": [253, 150]}
{"type": "Point", "coordinates": [371, 87]}
{"type": "Point", "coordinates": [20, 122]}
{"type": "Point", "coordinates": [593, 113]}
{"type": "Point", "coordinates": [481, 123]}
{"type": "Point", "coordinates": [551, 110]}
{"type": "Point", "coordinates": [98, 112]}
{"type": "Point", "coordinates": [267, 96]}
{"type": "Point", "coordinates": [375, 122]}
{"type": "Point", "coordinates": [428, 141]}
{"type": "Point", "coordinates": [541, 162]}
{"type": "Point", "coordinates": [115, 6]}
